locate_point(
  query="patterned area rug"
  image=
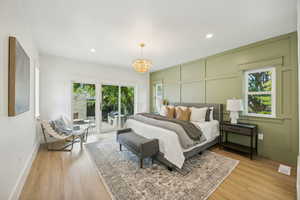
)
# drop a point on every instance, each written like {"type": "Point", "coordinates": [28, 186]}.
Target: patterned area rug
{"type": "Point", "coordinates": [121, 174]}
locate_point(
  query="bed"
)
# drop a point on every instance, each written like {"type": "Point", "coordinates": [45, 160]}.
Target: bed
{"type": "Point", "coordinates": [171, 153]}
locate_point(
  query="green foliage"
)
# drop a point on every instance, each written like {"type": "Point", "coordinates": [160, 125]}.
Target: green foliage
{"type": "Point", "coordinates": [84, 89]}
{"type": "Point", "coordinates": [87, 91]}
{"type": "Point", "coordinates": [127, 100]}
{"type": "Point", "coordinates": [260, 82]}
{"type": "Point", "coordinates": [110, 95]}
{"type": "Point", "coordinates": [260, 104]}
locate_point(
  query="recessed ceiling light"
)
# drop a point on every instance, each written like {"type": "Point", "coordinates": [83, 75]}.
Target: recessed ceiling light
{"type": "Point", "coordinates": [93, 50]}
{"type": "Point", "coordinates": [209, 35]}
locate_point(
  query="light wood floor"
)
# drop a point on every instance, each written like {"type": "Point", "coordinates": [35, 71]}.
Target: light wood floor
{"type": "Point", "coordinates": [65, 175]}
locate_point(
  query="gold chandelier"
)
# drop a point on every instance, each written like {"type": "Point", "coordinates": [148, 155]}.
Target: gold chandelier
{"type": "Point", "coordinates": [142, 65]}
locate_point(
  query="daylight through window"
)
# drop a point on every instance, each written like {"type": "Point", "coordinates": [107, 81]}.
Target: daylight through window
{"type": "Point", "coordinates": [260, 92]}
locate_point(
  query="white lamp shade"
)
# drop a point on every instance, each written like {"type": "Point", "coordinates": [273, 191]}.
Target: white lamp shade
{"type": "Point", "coordinates": [234, 105]}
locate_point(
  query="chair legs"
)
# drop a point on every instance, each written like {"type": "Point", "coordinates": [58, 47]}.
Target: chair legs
{"type": "Point", "coordinates": [71, 140]}
{"type": "Point", "coordinates": [64, 148]}
{"type": "Point", "coordinates": [141, 162]}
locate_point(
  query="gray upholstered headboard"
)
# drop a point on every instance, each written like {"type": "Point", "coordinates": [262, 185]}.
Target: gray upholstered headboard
{"type": "Point", "coordinates": [218, 108]}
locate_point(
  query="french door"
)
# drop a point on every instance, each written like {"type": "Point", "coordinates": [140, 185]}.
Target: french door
{"type": "Point", "coordinates": [105, 107]}
{"type": "Point", "coordinates": [84, 100]}
{"type": "Point", "coordinates": [116, 105]}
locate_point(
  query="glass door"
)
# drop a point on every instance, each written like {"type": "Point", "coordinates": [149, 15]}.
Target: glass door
{"type": "Point", "coordinates": [117, 104]}
{"type": "Point", "coordinates": [127, 104]}
{"type": "Point", "coordinates": [109, 108]}
{"type": "Point", "coordinates": [83, 104]}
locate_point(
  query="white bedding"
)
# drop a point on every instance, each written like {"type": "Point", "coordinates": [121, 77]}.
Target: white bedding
{"type": "Point", "coordinates": [169, 143]}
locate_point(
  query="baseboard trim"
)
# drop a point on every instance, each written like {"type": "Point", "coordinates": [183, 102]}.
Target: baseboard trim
{"type": "Point", "coordinates": [16, 192]}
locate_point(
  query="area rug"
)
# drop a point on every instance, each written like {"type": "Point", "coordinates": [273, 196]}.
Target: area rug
{"type": "Point", "coordinates": [124, 179]}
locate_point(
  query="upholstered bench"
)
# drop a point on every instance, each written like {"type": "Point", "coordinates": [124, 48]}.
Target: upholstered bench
{"type": "Point", "coordinates": [137, 144]}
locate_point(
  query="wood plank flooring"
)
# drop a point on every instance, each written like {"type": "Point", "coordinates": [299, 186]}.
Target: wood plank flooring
{"type": "Point", "coordinates": [65, 175]}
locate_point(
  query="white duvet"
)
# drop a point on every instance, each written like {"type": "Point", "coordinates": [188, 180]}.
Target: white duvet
{"type": "Point", "coordinates": [169, 143]}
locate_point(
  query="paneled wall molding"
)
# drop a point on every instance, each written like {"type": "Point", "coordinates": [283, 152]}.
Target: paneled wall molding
{"type": "Point", "coordinates": [229, 76]}
{"type": "Point", "coordinates": [277, 119]}
{"type": "Point", "coordinates": [216, 78]}
{"type": "Point", "coordinates": [272, 62]}
{"type": "Point", "coordinates": [286, 69]}
{"type": "Point", "coordinates": [187, 82]}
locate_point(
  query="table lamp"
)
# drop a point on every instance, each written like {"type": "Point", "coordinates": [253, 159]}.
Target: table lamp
{"type": "Point", "coordinates": [234, 106]}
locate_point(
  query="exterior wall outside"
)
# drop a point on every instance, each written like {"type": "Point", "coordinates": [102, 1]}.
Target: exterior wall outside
{"type": "Point", "coordinates": [80, 106]}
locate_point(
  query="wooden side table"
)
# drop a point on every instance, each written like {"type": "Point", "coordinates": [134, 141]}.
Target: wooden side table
{"type": "Point", "coordinates": [248, 130]}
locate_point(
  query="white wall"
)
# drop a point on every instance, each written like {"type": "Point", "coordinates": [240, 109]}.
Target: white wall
{"type": "Point", "coordinates": [18, 140]}
{"type": "Point", "coordinates": [56, 76]}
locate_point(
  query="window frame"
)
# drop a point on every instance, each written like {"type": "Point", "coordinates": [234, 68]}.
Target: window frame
{"type": "Point", "coordinates": [272, 92]}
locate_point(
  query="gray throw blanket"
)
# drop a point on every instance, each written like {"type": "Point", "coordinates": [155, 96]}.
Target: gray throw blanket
{"type": "Point", "coordinates": [188, 134]}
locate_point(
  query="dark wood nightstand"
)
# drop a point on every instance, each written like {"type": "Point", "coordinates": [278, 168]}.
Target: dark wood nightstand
{"type": "Point", "coordinates": [248, 130]}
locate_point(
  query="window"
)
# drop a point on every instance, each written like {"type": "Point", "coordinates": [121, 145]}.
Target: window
{"type": "Point", "coordinates": [260, 93]}
{"type": "Point", "coordinates": [158, 96]}
{"type": "Point", "coordinates": [37, 91]}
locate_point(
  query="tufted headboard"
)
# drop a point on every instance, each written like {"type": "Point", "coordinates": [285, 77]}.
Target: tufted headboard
{"type": "Point", "coordinates": [218, 108]}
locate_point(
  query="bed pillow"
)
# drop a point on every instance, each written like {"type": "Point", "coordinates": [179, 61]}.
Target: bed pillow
{"type": "Point", "coordinates": [170, 112]}
{"type": "Point", "coordinates": [211, 114]}
{"type": "Point", "coordinates": [198, 114]}
{"type": "Point", "coordinates": [164, 111]}
{"type": "Point", "coordinates": [182, 108]}
{"type": "Point", "coordinates": [183, 114]}
{"type": "Point", "coordinates": [207, 115]}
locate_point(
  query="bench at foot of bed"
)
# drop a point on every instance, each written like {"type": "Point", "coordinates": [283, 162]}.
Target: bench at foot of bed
{"type": "Point", "coordinates": [137, 144]}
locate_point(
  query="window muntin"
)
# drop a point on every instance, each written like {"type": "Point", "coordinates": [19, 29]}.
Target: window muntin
{"type": "Point", "coordinates": [260, 92]}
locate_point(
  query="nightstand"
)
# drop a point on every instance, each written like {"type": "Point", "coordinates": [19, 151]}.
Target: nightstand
{"type": "Point", "coordinates": [243, 129]}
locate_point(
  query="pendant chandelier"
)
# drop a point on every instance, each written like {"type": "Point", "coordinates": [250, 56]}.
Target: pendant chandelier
{"type": "Point", "coordinates": [142, 65]}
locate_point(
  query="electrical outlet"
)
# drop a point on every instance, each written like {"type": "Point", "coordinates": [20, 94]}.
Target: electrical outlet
{"type": "Point", "coordinates": [260, 136]}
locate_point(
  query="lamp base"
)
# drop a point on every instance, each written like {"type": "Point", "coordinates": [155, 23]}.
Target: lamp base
{"type": "Point", "coordinates": [234, 115]}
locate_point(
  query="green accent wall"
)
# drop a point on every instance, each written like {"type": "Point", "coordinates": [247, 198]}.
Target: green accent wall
{"type": "Point", "coordinates": [219, 77]}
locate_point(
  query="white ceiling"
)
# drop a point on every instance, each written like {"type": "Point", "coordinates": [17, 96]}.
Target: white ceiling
{"type": "Point", "coordinates": [173, 30]}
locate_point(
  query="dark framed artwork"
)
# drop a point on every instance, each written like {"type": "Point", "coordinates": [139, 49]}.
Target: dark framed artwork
{"type": "Point", "coordinates": [18, 79]}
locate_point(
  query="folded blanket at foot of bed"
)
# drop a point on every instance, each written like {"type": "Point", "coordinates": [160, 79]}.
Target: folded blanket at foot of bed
{"type": "Point", "coordinates": [189, 135]}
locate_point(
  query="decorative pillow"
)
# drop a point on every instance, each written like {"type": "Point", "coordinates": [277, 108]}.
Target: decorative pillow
{"type": "Point", "coordinates": [170, 112]}
{"type": "Point", "coordinates": [182, 108]}
{"type": "Point", "coordinates": [198, 114]}
{"type": "Point", "coordinates": [207, 115]}
{"type": "Point", "coordinates": [61, 128]}
{"type": "Point", "coordinates": [183, 114]}
{"type": "Point", "coordinates": [163, 111]}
